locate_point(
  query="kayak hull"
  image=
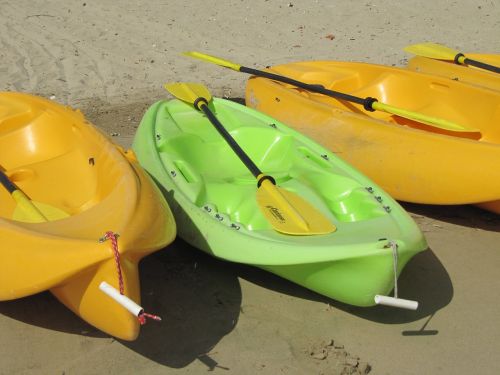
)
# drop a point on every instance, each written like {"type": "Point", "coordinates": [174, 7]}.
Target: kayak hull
{"type": "Point", "coordinates": [64, 162]}
{"type": "Point", "coordinates": [412, 162]}
{"type": "Point", "coordinates": [345, 280]}
{"type": "Point", "coordinates": [350, 265]}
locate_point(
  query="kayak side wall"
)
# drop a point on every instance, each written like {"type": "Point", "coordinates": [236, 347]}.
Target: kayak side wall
{"type": "Point", "coordinates": [410, 164]}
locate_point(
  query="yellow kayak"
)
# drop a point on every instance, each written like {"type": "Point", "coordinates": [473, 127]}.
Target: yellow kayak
{"type": "Point", "coordinates": [84, 186]}
{"type": "Point", "coordinates": [412, 161]}
{"type": "Point", "coordinates": [467, 74]}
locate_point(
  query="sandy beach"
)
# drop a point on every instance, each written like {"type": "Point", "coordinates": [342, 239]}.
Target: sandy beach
{"type": "Point", "coordinates": [110, 60]}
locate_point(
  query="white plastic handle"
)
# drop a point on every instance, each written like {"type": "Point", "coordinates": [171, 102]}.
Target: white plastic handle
{"type": "Point", "coordinates": [396, 302]}
{"type": "Point", "coordinates": [126, 302]}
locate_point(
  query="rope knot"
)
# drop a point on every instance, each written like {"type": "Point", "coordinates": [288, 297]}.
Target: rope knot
{"type": "Point", "coordinates": [142, 317]}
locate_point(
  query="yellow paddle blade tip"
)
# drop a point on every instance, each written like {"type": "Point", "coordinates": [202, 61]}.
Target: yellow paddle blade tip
{"type": "Point", "coordinates": [432, 50]}
{"type": "Point", "coordinates": [50, 213]}
{"type": "Point", "coordinates": [192, 53]}
{"type": "Point", "coordinates": [290, 214]}
{"type": "Point", "coordinates": [424, 119]}
{"type": "Point", "coordinates": [188, 92]}
{"type": "Point", "coordinates": [213, 59]}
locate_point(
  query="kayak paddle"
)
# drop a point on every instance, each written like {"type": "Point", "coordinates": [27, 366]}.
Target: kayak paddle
{"type": "Point", "coordinates": [370, 104]}
{"type": "Point", "coordinates": [285, 211]}
{"type": "Point", "coordinates": [23, 202]}
{"type": "Point", "coordinates": [439, 52]}
{"type": "Point", "coordinates": [27, 210]}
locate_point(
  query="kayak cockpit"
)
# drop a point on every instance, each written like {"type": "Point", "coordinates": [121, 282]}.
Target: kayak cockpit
{"type": "Point", "coordinates": [429, 95]}
{"type": "Point", "coordinates": [202, 163]}
{"type": "Point", "coordinates": [54, 162]}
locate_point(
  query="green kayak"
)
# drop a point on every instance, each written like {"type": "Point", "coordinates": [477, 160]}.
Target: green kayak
{"type": "Point", "coordinates": [212, 195]}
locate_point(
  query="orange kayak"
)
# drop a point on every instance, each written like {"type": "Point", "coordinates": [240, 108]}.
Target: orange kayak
{"type": "Point", "coordinates": [467, 74]}
{"type": "Point", "coordinates": [412, 161]}
{"type": "Point", "coordinates": [84, 186]}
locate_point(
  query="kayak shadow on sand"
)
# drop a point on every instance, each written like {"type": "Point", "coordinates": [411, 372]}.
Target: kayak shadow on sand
{"type": "Point", "coordinates": [44, 310]}
{"type": "Point", "coordinates": [198, 299]}
{"type": "Point", "coordinates": [424, 279]}
{"type": "Point", "coordinates": [463, 215]}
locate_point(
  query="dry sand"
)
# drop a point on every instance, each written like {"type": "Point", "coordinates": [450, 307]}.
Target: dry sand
{"type": "Point", "coordinates": [110, 59]}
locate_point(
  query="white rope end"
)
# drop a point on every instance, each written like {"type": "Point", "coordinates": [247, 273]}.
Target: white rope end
{"type": "Point", "coordinates": [396, 302]}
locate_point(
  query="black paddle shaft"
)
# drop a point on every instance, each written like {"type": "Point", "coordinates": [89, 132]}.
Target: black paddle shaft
{"type": "Point", "coordinates": [4, 180]}
{"type": "Point", "coordinates": [478, 64]}
{"type": "Point", "coordinates": [365, 102]}
{"type": "Point", "coordinates": [201, 104]}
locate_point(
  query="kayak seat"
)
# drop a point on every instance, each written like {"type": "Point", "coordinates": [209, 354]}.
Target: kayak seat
{"type": "Point", "coordinates": [214, 160]}
{"type": "Point", "coordinates": [356, 205]}
{"type": "Point", "coordinates": [342, 195]}
{"type": "Point", "coordinates": [334, 79]}
{"type": "Point", "coordinates": [36, 139]}
{"type": "Point", "coordinates": [79, 191]}
{"type": "Point", "coordinates": [44, 144]}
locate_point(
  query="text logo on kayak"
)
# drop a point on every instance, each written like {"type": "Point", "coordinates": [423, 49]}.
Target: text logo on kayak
{"type": "Point", "coordinates": [276, 213]}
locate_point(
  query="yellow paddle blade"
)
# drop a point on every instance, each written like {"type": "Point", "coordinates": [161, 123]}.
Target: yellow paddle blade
{"type": "Point", "coordinates": [432, 51]}
{"type": "Point", "coordinates": [420, 117]}
{"type": "Point", "coordinates": [47, 212]}
{"type": "Point", "coordinates": [188, 92]}
{"type": "Point", "coordinates": [213, 60]}
{"type": "Point", "coordinates": [27, 208]}
{"type": "Point", "coordinates": [290, 214]}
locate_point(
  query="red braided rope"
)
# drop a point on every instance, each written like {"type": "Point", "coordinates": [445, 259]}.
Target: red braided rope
{"type": "Point", "coordinates": [114, 245]}
{"type": "Point", "coordinates": [142, 317]}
